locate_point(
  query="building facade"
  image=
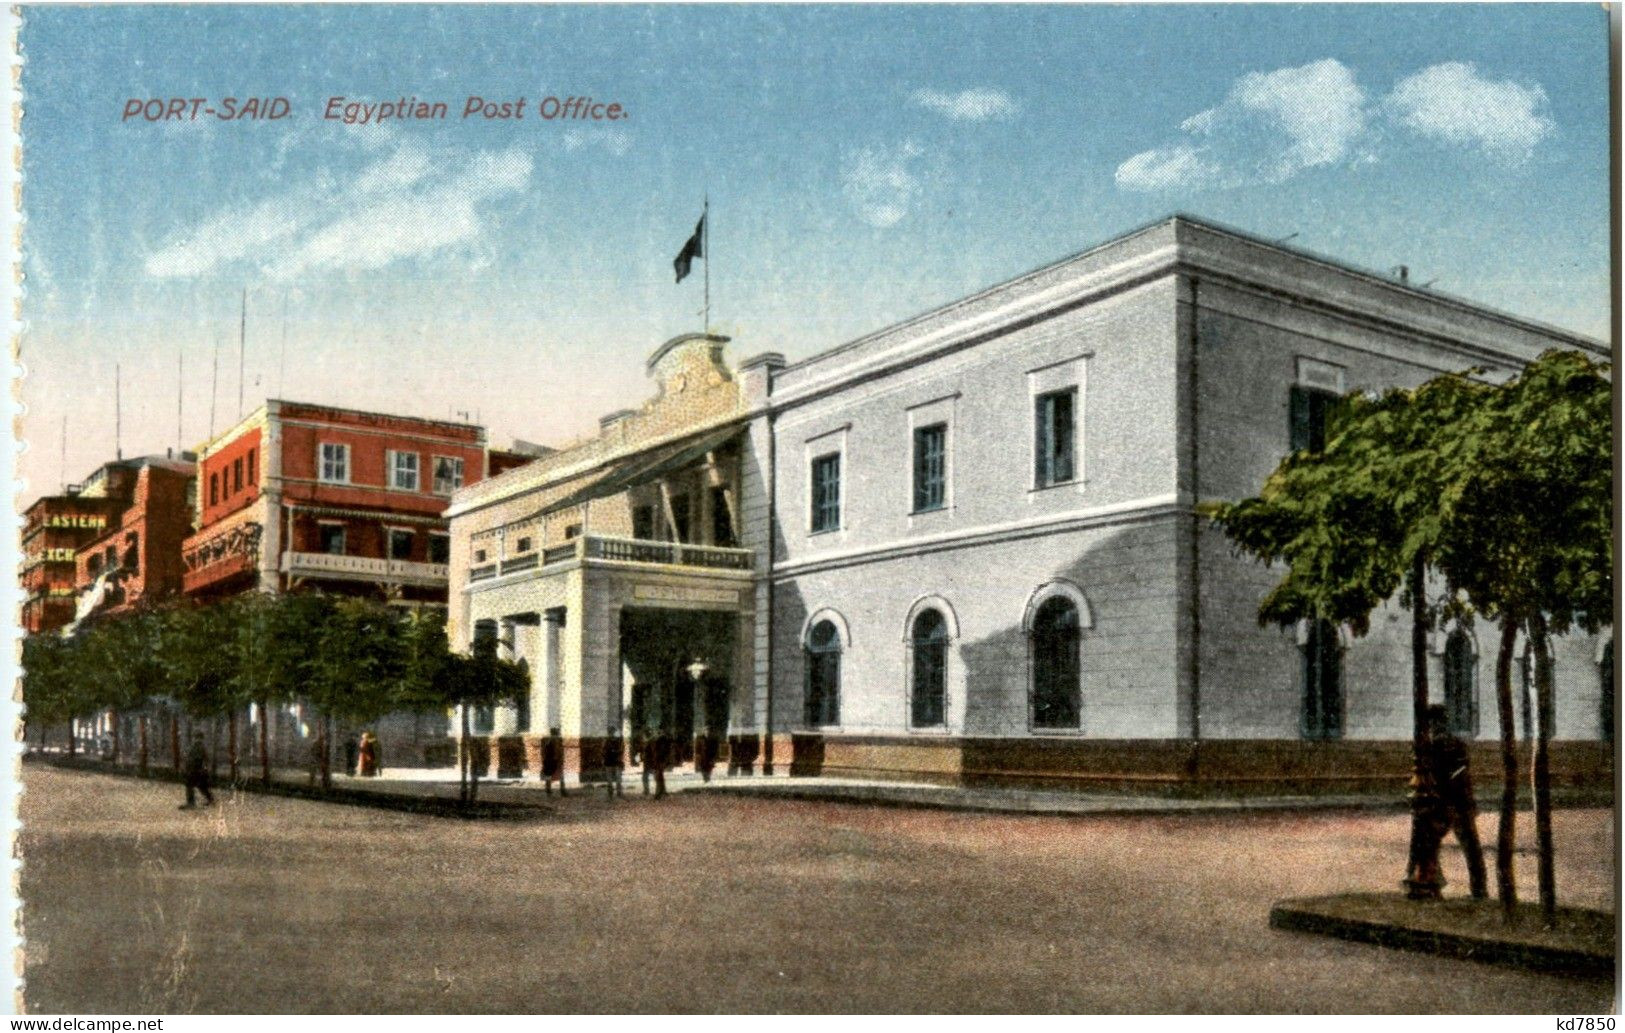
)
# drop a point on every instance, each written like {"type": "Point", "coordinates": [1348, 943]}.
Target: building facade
{"type": "Point", "coordinates": [968, 547]}
{"type": "Point", "coordinates": [989, 566]}
{"type": "Point", "coordinates": [137, 561]}
{"type": "Point", "coordinates": [55, 528]}
{"type": "Point", "coordinates": [300, 495]}
{"type": "Point", "coordinates": [623, 570]}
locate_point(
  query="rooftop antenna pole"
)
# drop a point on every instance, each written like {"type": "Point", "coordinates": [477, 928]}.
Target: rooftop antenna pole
{"type": "Point", "coordinates": [282, 362]}
{"type": "Point", "coordinates": [214, 382]}
{"type": "Point", "coordinates": [242, 345]}
{"type": "Point", "coordinates": [118, 412]}
{"type": "Point", "coordinates": [705, 252]}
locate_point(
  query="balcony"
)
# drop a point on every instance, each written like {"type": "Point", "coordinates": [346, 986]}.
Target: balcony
{"type": "Point", "coordinates": [599, 548]}
{"type": "Point", "coordinates": [328, 566]}
{"type": "Point", "coordinates": [681, 554]}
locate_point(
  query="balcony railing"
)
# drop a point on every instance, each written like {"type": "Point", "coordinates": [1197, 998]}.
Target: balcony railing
{"type": "Point", "coordinates": [620, 550]}
{"type": "Point", "coordinates": [638, 550]}
{"type": "Point", "coordinates": [336, 566]}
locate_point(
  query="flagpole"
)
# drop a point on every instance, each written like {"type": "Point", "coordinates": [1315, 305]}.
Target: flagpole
{"type": "Point", "coordinates": [705, 247]}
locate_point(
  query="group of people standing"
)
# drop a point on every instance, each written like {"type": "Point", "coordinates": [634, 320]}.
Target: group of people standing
{"type": "Point", "coordinates": [654, 750]}
{"type": "Point", "coordinates": [363, 757]}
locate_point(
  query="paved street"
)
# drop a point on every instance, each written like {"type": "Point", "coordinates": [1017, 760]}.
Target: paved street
{"type": "Point", "coordinates": [707, 902]}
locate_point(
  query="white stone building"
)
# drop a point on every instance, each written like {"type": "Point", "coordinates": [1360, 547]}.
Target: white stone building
{"type": "Point", "coordinates": [966, 546]}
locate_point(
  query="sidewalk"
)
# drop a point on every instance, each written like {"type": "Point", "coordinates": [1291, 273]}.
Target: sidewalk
{"type": "Point", "coordinates": [436, 789]}
{"type": "Point", "coordinates": [1581, 943]}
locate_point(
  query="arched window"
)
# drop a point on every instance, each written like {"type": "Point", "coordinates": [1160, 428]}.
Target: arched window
{"type": "Point", "coordinates": [1057, 678]}
{"type": "Point", "coordinates": [1461, 684]}
{"type": "Point", "coordinates": [1322, 667]}
{"type": "Point", "coordinates": [928, 643]}
{"type": "Point", "coordinates": [823, 656]}
{"type": "Point", "coordinates": [1606, 696]}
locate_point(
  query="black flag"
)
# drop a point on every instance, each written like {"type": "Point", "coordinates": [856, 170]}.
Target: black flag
{"type": "Point", "coordinates": [691, 250]}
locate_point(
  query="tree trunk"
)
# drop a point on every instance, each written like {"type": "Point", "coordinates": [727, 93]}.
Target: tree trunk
{"type": "Point", "coordinates": [326, 747]}
{"type": "Point", "coordinates": [116, 723]}
{"type": "Point", "coordinates": [143, 744]}
{"type": "Point", "coordinates": [265, 742]}
{"type": "Point", "coordinates": [231, 741]}
{"type": "Point", "coordinates": [464, 763]}
{"type": "Point", "coordinates": [1421, 868]}
{"type": "Point", "coordinates": [1506, 834]}
{"type": "Point", "coordinates": [1419, 659]}
{"type": "Point", "coordinates": [73, 738]}
{"type": "Point", "coordinates": [1540, 764]}
{"type": "Point", "coordinates": [175, 741]}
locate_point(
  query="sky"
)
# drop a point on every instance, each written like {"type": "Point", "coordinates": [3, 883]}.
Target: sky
{"type": "Point", "coordinates": [862, 165]}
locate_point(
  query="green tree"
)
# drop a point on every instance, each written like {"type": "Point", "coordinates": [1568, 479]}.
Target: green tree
{"type": "Point", "coordinates": [358, 666]}
{"type": "Point", "coordinates": [1356, 523]}
{"type": "Point", "coordinates": [1528, 540]}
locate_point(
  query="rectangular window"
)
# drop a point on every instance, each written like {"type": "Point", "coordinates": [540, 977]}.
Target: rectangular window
{"type": "Point", "coordinates": [722, 524]}
{"type": "Point", "coordinates": [253, 466]}
{"type": "Point", "coordinates": [448, 475]}
{"type": "Point", "coordinates": [214, 488]}
{"type": "Point", "coordinates": [1055, 439]}
{"type": "Point", "coordinates": [400, 544]}
{"type": "Point", "coordinates": [1310, 411]}
{"type": "Point", "coordinates": [643, 523]}
{"type": "Point", "coordinates": [571, 532]}
{"type": "Point", "coordinates": [236, 475]}
{"type": "Point", "coordinates": [930, 467]}
{"type": "Point", "coordinates": [523, 545]}
{"type": "Point", "coordinates": [335, 463]}
{"type": "Point", "coordinates": [440, 548]}
{"type": "Point", "coordinates": [826, 493]}
{"type": "Point", "coordinates": [333, 539]}
{"type": "Point", "coordinates": [403, 471]}
{"type": "Point", "coordinates": [479, 555]}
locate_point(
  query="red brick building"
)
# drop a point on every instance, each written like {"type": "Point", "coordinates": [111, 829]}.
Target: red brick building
{"type": "Point", "coordinates": [300, 495]}
{"type": "Point", "coordinates": [138, 557]}
{"type": "Point", "coordinates": [54, 529]}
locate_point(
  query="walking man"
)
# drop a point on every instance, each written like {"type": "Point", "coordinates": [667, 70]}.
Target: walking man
{"type": "Point", "coordinates": [553, 762]}
{"type": "Point", "coordinates": [614, 762]}
{"type": "Point", "coordinates": [197, 774]}
{"type": "Point", "coordinates": [654, 762]}
{"type": "Point", "coordinates": [1447, 756]}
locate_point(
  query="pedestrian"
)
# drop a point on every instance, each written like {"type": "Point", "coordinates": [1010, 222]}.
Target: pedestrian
{"type": "Point", "coordinates": [661, 751]}
{"type": "Point", "coordinates": [553, 762]}
{"type": "Point", "coordinates": [352, 752]}
{"type": "Point", "coordinates": [367, 754]}
{"type": "Point", "coordinates": [614, 762]}
{"type": "Point", "coordinates": [653, 762]}
{"type": "Point", "coordinates": [197, 774]}
{"type": "Point", "coordinates": [1447, 760]}
{"type": "Point", "coordinates": [641, 747]}
{"type": "Point", "coordinates": [705, 755]}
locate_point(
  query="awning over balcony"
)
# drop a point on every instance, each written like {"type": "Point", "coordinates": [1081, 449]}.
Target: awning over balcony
{"type": "Point", "coordinates": [648, 466]}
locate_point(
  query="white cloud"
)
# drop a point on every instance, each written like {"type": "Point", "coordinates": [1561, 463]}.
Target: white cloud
{"type": "Point", "coordinates": [1165, 168]}
{"type": "Point", "coordinates": [879, 184]}
{"type": "Point", "coordinates": [974, 105]}
{"type": "Point", "coordinates": [1453, 103]}
{"type": "Point", "coordinates": [412, 201]}
{"type": "Point", "coordinates": [1270, 127]}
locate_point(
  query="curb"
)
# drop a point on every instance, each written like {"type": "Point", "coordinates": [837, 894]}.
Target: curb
{"type": "Point", "coordinates": [429, 806]}
{"type": "Point", "coordinates": [885, 798]}
{"type": "Point", "coordinates": [1300, 916]}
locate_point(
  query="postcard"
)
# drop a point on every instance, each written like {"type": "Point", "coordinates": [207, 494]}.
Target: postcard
{"type": "Point", "coordinates": [807, 509]}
